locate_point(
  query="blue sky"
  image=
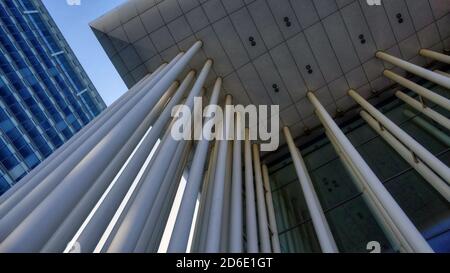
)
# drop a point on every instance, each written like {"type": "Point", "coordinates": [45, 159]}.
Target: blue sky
{"type": "Point", "coordinates": [74, 21]}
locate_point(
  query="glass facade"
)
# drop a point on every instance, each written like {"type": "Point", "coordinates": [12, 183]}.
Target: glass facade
{"type": "Point", "coordinates": [351, 222]}
{"type": "Point", "coordinates": [46, 97]}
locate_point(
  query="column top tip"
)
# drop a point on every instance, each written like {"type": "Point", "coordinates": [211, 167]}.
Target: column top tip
{"type": "Point", "coordinates": [351, 90]}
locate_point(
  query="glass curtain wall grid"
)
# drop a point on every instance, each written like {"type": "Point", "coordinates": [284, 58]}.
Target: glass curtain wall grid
{"type": "Point", "coordinates": [57, 45]}
{"type": "Point", "coordinates": [46, 97]}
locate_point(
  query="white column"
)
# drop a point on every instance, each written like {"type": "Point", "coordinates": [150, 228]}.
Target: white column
{"type": "Point", "coordinates": [435, 55]}
{"type": "Point", "coordinates": [435, 181]}
{"type": "Point", "coordinates": [78, 213]}
{"type": "Point", "coordinates": [225, 232]}
{"type": "Point", "coordinates": [271, 211]}
{"type": "Point", "coordinates": [415, 69]}
{"type": "Point", "coordinates": [119, 215]}
{"type": "Point", "coordinates": [263, 224]}
{"type": "Point", "coordinates": [181, 230]}
{"type": "Point", "coordinates": [421, 91]}
{"type": "Point", "coordinates": [397, 215]}
{"type": "Point", "coordinates": [201, 225]}
{"type": "Point", "coordinates": [396, 239]}
{"type": "Point", "coordinates": [117, 189]}
{"type": "Point", "coordinates": [157, 220]}
{"type": "Point", "coordinates": [421, 107]}
{"type": "Point", "coordinates": [215, 217]}
{"type": "Point", "coordinates": [129, 230]}
{"type": "Point", "coordinates": [440, 168]}
{"type": "Point", "coordinates": [323, 231]}
{"type": "Point", "coordinates": [236, 243]}
{"type": "Point", "coordinates": [250, 209]}
{"type": "Point", "coordinates": [440, 135]}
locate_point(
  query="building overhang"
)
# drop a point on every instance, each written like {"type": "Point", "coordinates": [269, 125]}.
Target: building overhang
{"type": "Point", "coordinates": [273, 52]}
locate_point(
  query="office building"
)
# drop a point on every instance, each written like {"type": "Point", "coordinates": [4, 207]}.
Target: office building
{"type": "Point", "coordinates": [46, 97]}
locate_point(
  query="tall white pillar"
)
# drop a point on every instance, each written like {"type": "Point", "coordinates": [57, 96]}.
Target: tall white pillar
{"type": "Point", "coordinates": [156, 222]}
{"type": "Point", "coordinates": [120, 185]}
{"type": "Point", "coordinates": [236, 243]}
{"type": "Point", "coordinates": [371, 181]}
{"type": "Point", "coordinates": [435, 181]}
{"type": "Point", "coordinates": [250, 208]}
{"type": "Point", "coordinates": [440, 168]}
{"type": "Point", "coordinates": [226, 211]}
{"type": "Point", "coordinates": [107, 206]}
{"type": "Point", "coordinates": [396, 239]}
{"type": "Point", "coordinates": [110, 232]}
{"type": "Point", "coordinates": [323, 231]}
{"type": "Point", "coordinates": [420, 90]}
{"type": "Point", "coordinates": [415, 69]}
{"type": "Point", "coordinates": [73, 220]}
{"type": "Point", "coordinates": [181, 230]}
{"type": "Point", "coordinates": [201, 225]}
{"type": "Point", "coordinates": [215, 217]}
{"type": "Point", "coordinates": [263, 223]}
{"type": "Point", "coordinates": [129, 230]}
{"type": "Point", "coordinates": [435, 55]}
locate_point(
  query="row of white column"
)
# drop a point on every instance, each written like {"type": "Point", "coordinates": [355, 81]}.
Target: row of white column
{"type": "Point", "coordinates": [219, 223]}
{"type": "Point", "coordinates": [401, 232]}
{"type": "Point", "coordinates": [399, 229]}
{"type": "Point", "coordinates": [222, 186]}
{"type": "Point", "coordinates": [111, 188]}
{"type": "Point", "coordinates": [104, 190]}
{"type": "Point", "coordinates": [419, 157]}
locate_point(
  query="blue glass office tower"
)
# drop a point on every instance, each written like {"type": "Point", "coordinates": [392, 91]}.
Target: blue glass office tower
{"type": "Point", "coordinates": [45, 95]}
